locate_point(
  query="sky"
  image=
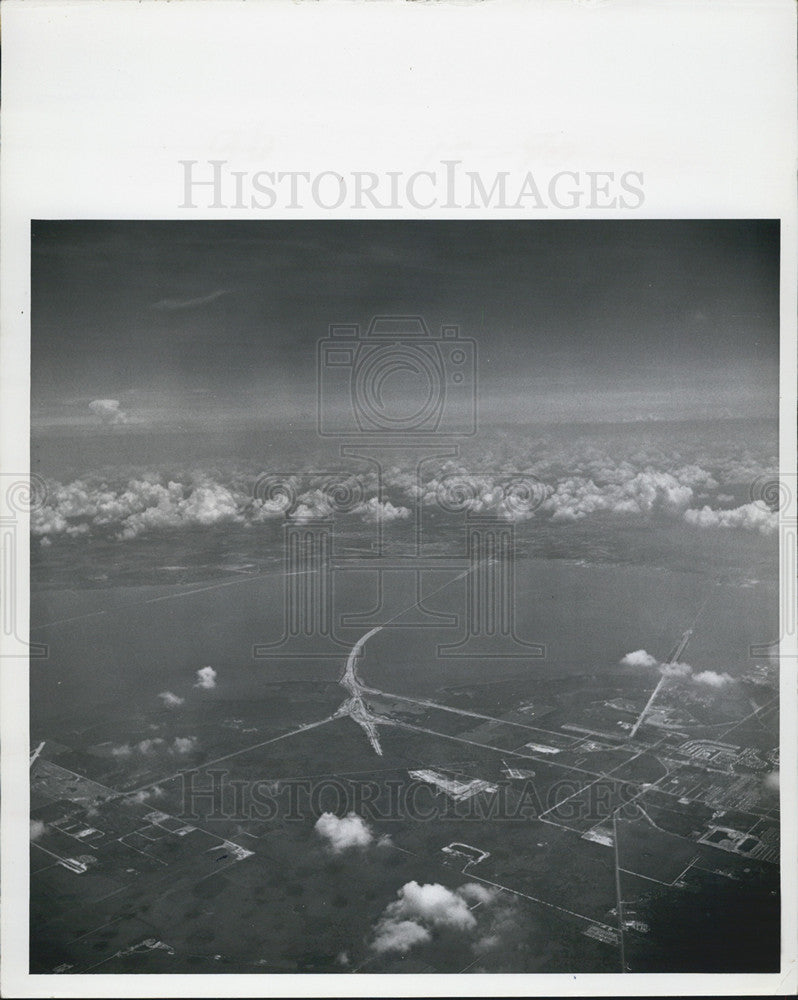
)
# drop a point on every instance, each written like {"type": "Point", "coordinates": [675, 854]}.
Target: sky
{"type": "Point", "coordinates": [163, 324]}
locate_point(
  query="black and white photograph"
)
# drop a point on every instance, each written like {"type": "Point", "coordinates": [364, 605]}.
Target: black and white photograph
{"type": "Point", "coordinates": [398, 498]}
{"type": "Point", "coordinates": [404, 597]}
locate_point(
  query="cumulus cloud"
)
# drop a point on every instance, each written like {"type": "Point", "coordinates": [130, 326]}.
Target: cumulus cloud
{"type": "Point", "coordinates": [712, 679]}
{"type": "Point", "coordinates": [433, 903]}
{"type": "Point", "coordinates": [510, 495]}
{"type": "Point", "coordinates": [556, 479]}
{"type": "Point", "coordinates": [157, 507]}
{"type": "Point", "coordinates": [151, 745]}
{"type": "Point", "coordinates": [341, 834]}
{"type": "Point", "coordinates": [184, 744]}
{"type": "Point", "coordinates": [749, 517]}
{"type": "Point", "coordinates": [675, 669]}
{"type": "Point", "coordinates": [421, 910]}
{"type": "Point", "coordinates": [37, 828]}
{"type": "Point", "coordinates": [170, 699]}
{"type": "Point", "coordinates": [476, 893]}
{"type": "Point", "coordinates": [639, 658]}
{"type": "Point", "coordinates": [399, 936]}
{"type": "Point", "coordinates": [108, 411]}
{"type": "Point", "coordinates": [373, 511]}
{"type": "Point", "coordinates": [314, 505]}
{"type": "Point", "coordinates": [144, 795]}
{"type": "Point", "coordinates": [644, 492]}
{"type": "Point", "coordinates": [138, 506]}
{"type": "Point", "coordinates": [772, 781]}
{"type": "Point", "coordinates": [206, 678]}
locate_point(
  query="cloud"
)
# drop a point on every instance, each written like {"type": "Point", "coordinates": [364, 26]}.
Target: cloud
{"type": "Point", "coordinates": [772, 781]}
{"type": "Point", "coordinates": [172, 305]}
{"type": "Point", "coordinates": [675, 669]}
{"type": "Point", "coordinates": [108, 411]}
{"type": "Point", "coordinates": [144, 795]}
{"type": "Point", "coordinates": [712, 679]}
{"type": "Point", "coordinates": [342, 834]}
{"type": "Point", "coordinates": [184, 744]}
{"type": "Point", "coordinates": [512, 496]}
{"type": "Point", "coordinates": [399, 935]}
{"type": "Point", "coordinates": [490, 942]}
{"type": "Point", "coordinates": [419, 910]}
{"type": "Point", "coordinates": [552, 479]}
{"type": "Point", "coordinates": [131, 508]}
{"type": "Point", "coordinates": [147, 747]}
{"type": "Point", "coordinates": [646, 492]}
{"type": "Point", "coordinates": [206, 678]}
{"type": "Point", "coordinates": [314, 505]}
{"type": "Point", "coordinates": [433, 903]}
{"type": "Point", "coordinates": [639, 658]}
{"type": "Point", "coordinates": [170, 699]}
{"type": "Point", "coordinates": [707, 678]}
{"type": "Point", "coordinates": [37, 828]}
{"type": "Point", "coordinates": [476, 893]}
{"type": "Point", "coordinates": [749, 517]}
{"type": "Point", "coordinates": [373, 511]}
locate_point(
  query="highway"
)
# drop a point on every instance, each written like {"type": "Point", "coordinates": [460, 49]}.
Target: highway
{"type": "Point", "coordinates": [673, 657]}
{"type": "Point", "coordinates": [354, 706]}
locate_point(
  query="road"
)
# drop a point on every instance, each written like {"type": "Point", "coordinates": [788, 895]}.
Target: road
{"type": "Point", "coordinates": [354, 706]}
{"type": "Point", "coordinates": [673, 657]}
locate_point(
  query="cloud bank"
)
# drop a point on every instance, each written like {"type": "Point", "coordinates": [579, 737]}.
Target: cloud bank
{"type": "Point", "coordinates": [560, 481]}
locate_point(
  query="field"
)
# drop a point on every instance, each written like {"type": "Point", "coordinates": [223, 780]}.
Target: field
{"type": "Point", "coordinates": [202, 852]}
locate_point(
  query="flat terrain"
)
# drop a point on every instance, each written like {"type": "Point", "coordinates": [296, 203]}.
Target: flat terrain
{"type": "Point", "coordinates": [133, 872]}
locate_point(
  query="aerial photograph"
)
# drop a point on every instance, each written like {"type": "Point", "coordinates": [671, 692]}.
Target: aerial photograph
{"type": "Point", "coordinates": [404, 596]}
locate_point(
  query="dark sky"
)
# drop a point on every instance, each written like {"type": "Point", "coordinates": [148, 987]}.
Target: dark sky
{"type": "Point", "coordinates": [218, 321]}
